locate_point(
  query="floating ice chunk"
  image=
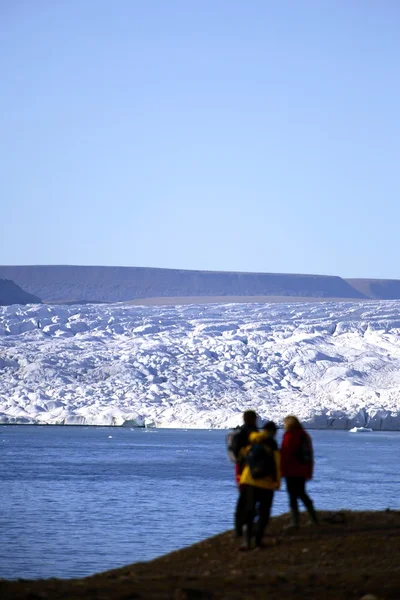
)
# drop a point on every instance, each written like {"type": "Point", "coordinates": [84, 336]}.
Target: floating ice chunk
{"type": "Point", "coordinates": [360, 430]}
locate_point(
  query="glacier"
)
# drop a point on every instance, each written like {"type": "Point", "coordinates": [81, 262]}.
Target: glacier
{"type": "Point", "coordinates": [333, 364]}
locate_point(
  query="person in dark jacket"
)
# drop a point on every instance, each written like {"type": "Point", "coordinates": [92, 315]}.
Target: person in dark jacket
{"type": "Point", "coordinates": [297, 466]}
{"type": "Point", "coordinates": [249, 426]}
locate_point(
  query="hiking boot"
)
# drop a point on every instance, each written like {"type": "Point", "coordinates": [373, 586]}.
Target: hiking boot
{"type": "Point", "coordinates": [238, 534]}
{"type": "Point", "coordinates": [244, 547]}
{"type": "Point", "coordinates": [312, 515]}
{"type": "Point", "coordinates": [294, 522]}
{"type": "Point", "coordinates": [290, 528]}
{"type": "Point", "coordinates": [260, 546]}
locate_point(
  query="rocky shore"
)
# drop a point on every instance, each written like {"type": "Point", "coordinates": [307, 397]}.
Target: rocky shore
{"type": "Point", "coordinates": [350, 555]}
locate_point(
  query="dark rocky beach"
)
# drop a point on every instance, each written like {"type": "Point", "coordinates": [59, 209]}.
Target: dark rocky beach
{"type": "Point", "coordinates": [350, 555]}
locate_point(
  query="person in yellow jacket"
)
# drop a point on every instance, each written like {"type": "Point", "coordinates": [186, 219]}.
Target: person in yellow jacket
{"type": "Point", "coordinates": [261, 476]}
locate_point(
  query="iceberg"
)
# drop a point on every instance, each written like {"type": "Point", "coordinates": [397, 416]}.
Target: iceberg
{"type": "Point", "coordinates": [360, 430]}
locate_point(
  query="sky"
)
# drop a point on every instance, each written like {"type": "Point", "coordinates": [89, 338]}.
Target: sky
{"type": "Point", "coordinates": [235, 135]}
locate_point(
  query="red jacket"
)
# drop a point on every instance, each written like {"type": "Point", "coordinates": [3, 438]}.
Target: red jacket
{"type": "Point", "coordinates": [291, 466]}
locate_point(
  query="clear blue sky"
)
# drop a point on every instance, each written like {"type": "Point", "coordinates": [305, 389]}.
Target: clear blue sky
{"type": "Point", "coordinates": [208, 134]}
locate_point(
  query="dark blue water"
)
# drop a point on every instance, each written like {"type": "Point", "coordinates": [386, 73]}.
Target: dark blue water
{"type": "Point", "coordinates": [77, 500]}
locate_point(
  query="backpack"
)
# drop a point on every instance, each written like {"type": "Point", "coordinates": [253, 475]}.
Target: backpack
{"type": "Point", "coordinates": [261, 462]}
{"type": "Point", "coordinates": [304, 454]}
{"type": "Point", "coordinates": [235, 441]}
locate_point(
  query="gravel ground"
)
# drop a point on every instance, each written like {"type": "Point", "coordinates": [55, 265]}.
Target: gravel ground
{"type": "Point", "coordinates": [350, 555]}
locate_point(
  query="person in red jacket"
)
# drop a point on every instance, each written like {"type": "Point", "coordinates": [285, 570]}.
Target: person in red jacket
{"type": "Point", "coordinates": [297, 465]}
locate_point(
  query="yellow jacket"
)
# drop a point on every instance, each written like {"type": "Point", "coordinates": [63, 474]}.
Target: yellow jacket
{"type": "Point", "coordinates": [268, 483]}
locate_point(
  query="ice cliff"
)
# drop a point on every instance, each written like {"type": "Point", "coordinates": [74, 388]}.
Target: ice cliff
{"type": "Point", "coordinates": [332, 364]}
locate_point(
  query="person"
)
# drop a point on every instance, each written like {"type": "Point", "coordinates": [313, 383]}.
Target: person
{"type": "Point", "coordinates": [297, 464]}
{"type": "Point", "coordinates": [259, 479]}
{"type": "Point", "coordinates": [241, 441]}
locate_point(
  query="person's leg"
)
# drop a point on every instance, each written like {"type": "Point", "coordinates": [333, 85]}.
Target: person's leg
{"type": "Point", "coordinates": [240, 512]}
{"type": "Point", "coordinates": [306, 500]}
{"type": "Point", "coordinates": [251, 500]}
{"type": "Point", "coordinates": [292, 490]}
{"type": "Point", "coordinates": [265, 498]}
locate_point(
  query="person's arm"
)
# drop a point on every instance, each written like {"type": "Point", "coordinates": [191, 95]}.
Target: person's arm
{"type": "Point", "coordinates": [312, 457]}
{"type": "Point", "coordinates": [240, 463]}
{"type": "Point", "coordinates": [284, 454]}
{"type": "Point", "coordinates": [238, 472]}
{"type": "Point", "coordinates": [277, 458]}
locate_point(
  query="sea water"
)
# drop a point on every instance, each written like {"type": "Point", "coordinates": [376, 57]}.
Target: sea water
{"type": "Point", "coordinates": [79, 500]}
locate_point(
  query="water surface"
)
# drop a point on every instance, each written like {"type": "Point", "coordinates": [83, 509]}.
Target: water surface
{"type": "Point", "coordinates": [78, 500]}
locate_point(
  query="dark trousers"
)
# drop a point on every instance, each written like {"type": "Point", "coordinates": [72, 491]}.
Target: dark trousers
{"type": "Point", "coordinates": [296, 488]}
{"type": "Point", "coordinates": [240, 512]}
{"type": "Point", "coordinates": [256, 495]}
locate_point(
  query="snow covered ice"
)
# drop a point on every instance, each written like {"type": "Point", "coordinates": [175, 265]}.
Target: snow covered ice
{"type": "Point", "coordinates": [334, 364]}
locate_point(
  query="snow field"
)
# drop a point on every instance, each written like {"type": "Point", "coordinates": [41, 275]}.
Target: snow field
{"type": "Point", "coordinates": [332, 364]}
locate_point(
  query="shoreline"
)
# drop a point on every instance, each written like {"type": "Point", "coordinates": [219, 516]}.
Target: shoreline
{"type": "Point", "coordinates": [350, 555]}
{"type": "Point", "coordinates": [185, 428]}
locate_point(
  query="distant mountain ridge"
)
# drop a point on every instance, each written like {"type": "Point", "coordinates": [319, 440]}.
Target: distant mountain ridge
{"type": "Point", "coordinates": [380, 289]}
{"type": "Point", "coordinates": [63, 283]}
{"type": "Point", "coordinates": [11, 293]}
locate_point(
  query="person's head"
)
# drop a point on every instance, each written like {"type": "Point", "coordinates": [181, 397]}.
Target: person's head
{"type": "Point", "coordinates": [270, 428]}
{"type": "Point", "coordinates": [291, 422]}
{"type": "Point", "coordinates": [250, 418]}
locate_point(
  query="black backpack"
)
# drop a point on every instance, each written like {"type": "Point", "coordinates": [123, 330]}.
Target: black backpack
{"type": "Point", "coordinates": [304, 454]}
{"type": "Point", "coordinates": [260, 460]}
